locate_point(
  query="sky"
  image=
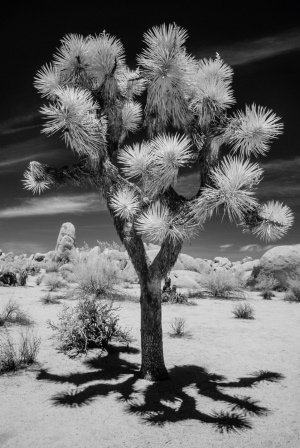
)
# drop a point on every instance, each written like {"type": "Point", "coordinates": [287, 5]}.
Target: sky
{"type": "Point", "coordinates": [259, 39]}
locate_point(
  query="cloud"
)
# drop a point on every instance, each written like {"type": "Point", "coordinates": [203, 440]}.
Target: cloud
{"type": "Point", "coordinates": [55, 205]}
{"type": "Point", "coordinates": [248, 51]}
{"type": "Point", "coordinates": [223, 247]}
{"type": "Point", "coordinates": [255, 248]}
{"type": "Point", "coordinates": [19, 123]}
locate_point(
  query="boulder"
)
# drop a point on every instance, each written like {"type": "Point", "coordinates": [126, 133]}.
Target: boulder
{"type": "Point", "coordinates": [282, 262]}
{"type": "Point", "coordinates": [245, 267]}
{"type": "Point", "coordinates": [39, 257]}
{"type": "Point", "coordinates": [244, 260]}
{"type": "Point", "coordinates": [203, 266]}
{"type": "Point", "coordinates": [188, 262]}
{"type": "Point", "coordinates": [49, 256]}
{"type": "Point", "coordinates": [222, 262]}
{"type": "Point", "coordinates": [186, 279]}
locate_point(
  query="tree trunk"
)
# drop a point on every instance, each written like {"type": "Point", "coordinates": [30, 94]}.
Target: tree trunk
{"type": "Point", "coordinates": [153, 365]}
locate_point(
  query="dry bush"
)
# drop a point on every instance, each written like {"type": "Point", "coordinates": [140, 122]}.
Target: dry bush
{"type": "Point", "coordinates": [52, 266]}
{"type": "Point", "coordinates": [266, 284]}
{"type": "Point", "coordinates": [39, 280]}
{"type": "Point", "coordinates": [49, 299]}
{"type": "Point", "coordinates": [223, 283]}
{"type": "Point", "coordinates": [177, 327]}
{"type": "Point", "coordinates": [90, 324]}
{"type": "Point", "coordinates": [53, 282]}
{"type": "Point", "coordinates": [293, 292]}
{"type": "Point", "coordinates": [96, 277]}
{"type": "Point", "coordinates": [243, 311]}
{"type": "Point", "coordinates": [12, 314]}
{"type": "Point", "coordinates": [16, 356]}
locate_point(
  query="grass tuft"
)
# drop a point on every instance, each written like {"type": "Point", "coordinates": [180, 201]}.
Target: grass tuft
{"type": "Point", "coordinates": [15, 356]}
{"type": "Point", "coordinates": [12, 314]}
{"type": "Point", "coordinates": [243, 311]}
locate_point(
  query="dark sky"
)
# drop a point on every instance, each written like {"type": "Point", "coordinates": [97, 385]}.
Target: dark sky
{"type": "Point", "coordinates": [260, 40]}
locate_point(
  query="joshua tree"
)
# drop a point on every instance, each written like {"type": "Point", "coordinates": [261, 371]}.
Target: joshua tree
{"type": "Point", "coordinates": [183, 107]}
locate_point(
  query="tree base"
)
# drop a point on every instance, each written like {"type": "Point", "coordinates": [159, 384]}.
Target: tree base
{"type": "Point", "coordinates": [160, 375]}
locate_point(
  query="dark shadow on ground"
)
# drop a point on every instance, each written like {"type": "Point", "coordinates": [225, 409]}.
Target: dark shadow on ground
{"type": "Point", "coordinates": [166, 401]}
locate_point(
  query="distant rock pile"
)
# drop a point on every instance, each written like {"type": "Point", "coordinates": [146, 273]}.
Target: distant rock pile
{"type": "Point", "coordinates": [282, 262]}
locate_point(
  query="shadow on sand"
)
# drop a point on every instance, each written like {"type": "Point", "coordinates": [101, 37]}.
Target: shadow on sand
{"type": "Point", "coordinates": [166, 401]}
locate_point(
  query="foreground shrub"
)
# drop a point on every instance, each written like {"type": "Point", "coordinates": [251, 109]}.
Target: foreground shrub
{"type": "Point", "coordinates": [48, 299]}
{"type": "Point", "coordinates": [96, 277]}
{"type": "Point", "coordinates": [53, 282]}
{"type": "Point", "coordinates": [15, 356]}
{"type": "Point", "coordinates": [90, 324]}
{"type": "Point", "coordinates": [12, 314]}
{"type": "Point", "coordinates": [222, 283]}
{"type": "Point", "coordinates": [177, 327]}
{"type": "Point", "coordinates": [243, 311]}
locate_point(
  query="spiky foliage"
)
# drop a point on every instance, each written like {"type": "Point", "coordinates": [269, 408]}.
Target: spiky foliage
{"type": "Point", "coordinates": [47, 80]}
{"type": "Point", "coordinates": [169, 153]}
{"type": "Point", "coordinates": [166, 67]}
{"type": "Point", "coordinates": [158, 223]}
{"type": "Point", "coordinates": [125, 203]}
{"type": "Point", "coordinates": [252, 131]}
{"type": "Point", "coordinates": [135, 159]}
{"type": "Point", "coordinates": [36, 179]}
{"type": "Point", "coordinates": [75, 114]}
{"type": "Point", "coordinates": [274, 220]}
{"type": "Point", "coordinates": [233, 182]}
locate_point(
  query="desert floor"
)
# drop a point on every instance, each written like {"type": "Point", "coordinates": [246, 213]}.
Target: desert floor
{"type": "Point", "coordinates": [215, 382]}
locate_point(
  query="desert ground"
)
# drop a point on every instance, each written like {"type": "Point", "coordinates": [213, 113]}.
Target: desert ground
{"type": "Point", "coordinates": [233, 383]}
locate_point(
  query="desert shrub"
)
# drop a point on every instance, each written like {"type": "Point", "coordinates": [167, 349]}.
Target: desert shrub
{"type": "Point", "coordinates": [12, 314]}
{"type": "Point", "coordinates": [96, 276]}
{"type": "Point", "coordinates": [266, 283]}
{"type": "Point", "coordinates": [68, 267]}
{"type": "Point", "coordinates": [114, 246]}
{"type": "Point", "coordinates": [49, 299]}
{"type": "Point", "coordinates": [68, 276]}
{"type": "Point", "coordinates": [16, 356]}
{"type": "Point", "coordinates": [89, 324]}
{"type": "Point", "coordinates": [293, 292]}
{"type": "Point", "coordinates": [177, 327]}
{"type": "Point", "coordinates": [222, 283]}
{"type": "Point", "coordinates": [52, 266]}
{"type": "Point", "coordinates": [243, 311]}
{"type": "Point", "coordinates": [39, 279]}
{"type": "Point", "coordinates": [267, 294]}
{"type": "Point", "coordinates": [53, 281]}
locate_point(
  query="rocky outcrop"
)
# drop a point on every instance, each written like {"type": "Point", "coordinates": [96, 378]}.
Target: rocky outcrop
{"type": "Point", "coordinates": [282, 262]}
{"type": "Point", "coordinates": [186, 279]}
{"type": "Point", "coordinates": [66, 242]}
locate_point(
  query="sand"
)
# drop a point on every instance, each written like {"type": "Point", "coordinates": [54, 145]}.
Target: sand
{"type": "Point", "coordinates": [214, 369]}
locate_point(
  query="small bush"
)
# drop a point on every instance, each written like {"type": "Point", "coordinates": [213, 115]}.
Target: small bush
{"type": "Point", "coordinates": [52, 266]}
{"type": "Point", "coordinates": [39, 280]}
{"type": "Point", "coordinates": [16, 356]}
{"type": "Point", "coordinates": [53, 282]}
{"type": "Point", "coordinates": [267, 295]}
{"type": "Point", "coordinates": [293, 293]}
{"type": "Point", "coordinates": [266, 282]}
{"type": "Point", "coordinates": [243, 311]}
{"type": "Point", "coordinates": [96, 276]}
{"type": "Point", "coordinates": [48, 299]}
{"type": "Point", "coordinates": [90, 324]}
{"type": "Point", "coordinates": [12, 314]}
{"type": "Point", "coordinates": [177, 327]}
{"type": "Point", "coordinates": [222, 283]}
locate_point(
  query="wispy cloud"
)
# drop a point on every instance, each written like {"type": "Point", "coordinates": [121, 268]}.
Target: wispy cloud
{"type": "Point", "coordinates": [248, 51]}
{"type": "Point", "coordinates": [55, 205]}
{"type": "Point", "coordinates": [255, 248]}
{"type": "Point", "coordinates": [223, 247]}
{"type": "Point", "coordinates": [19, 123]}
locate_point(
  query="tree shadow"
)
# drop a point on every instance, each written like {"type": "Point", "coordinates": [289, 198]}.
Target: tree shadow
{"type": "Point", "coordinates": [163, 402]}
